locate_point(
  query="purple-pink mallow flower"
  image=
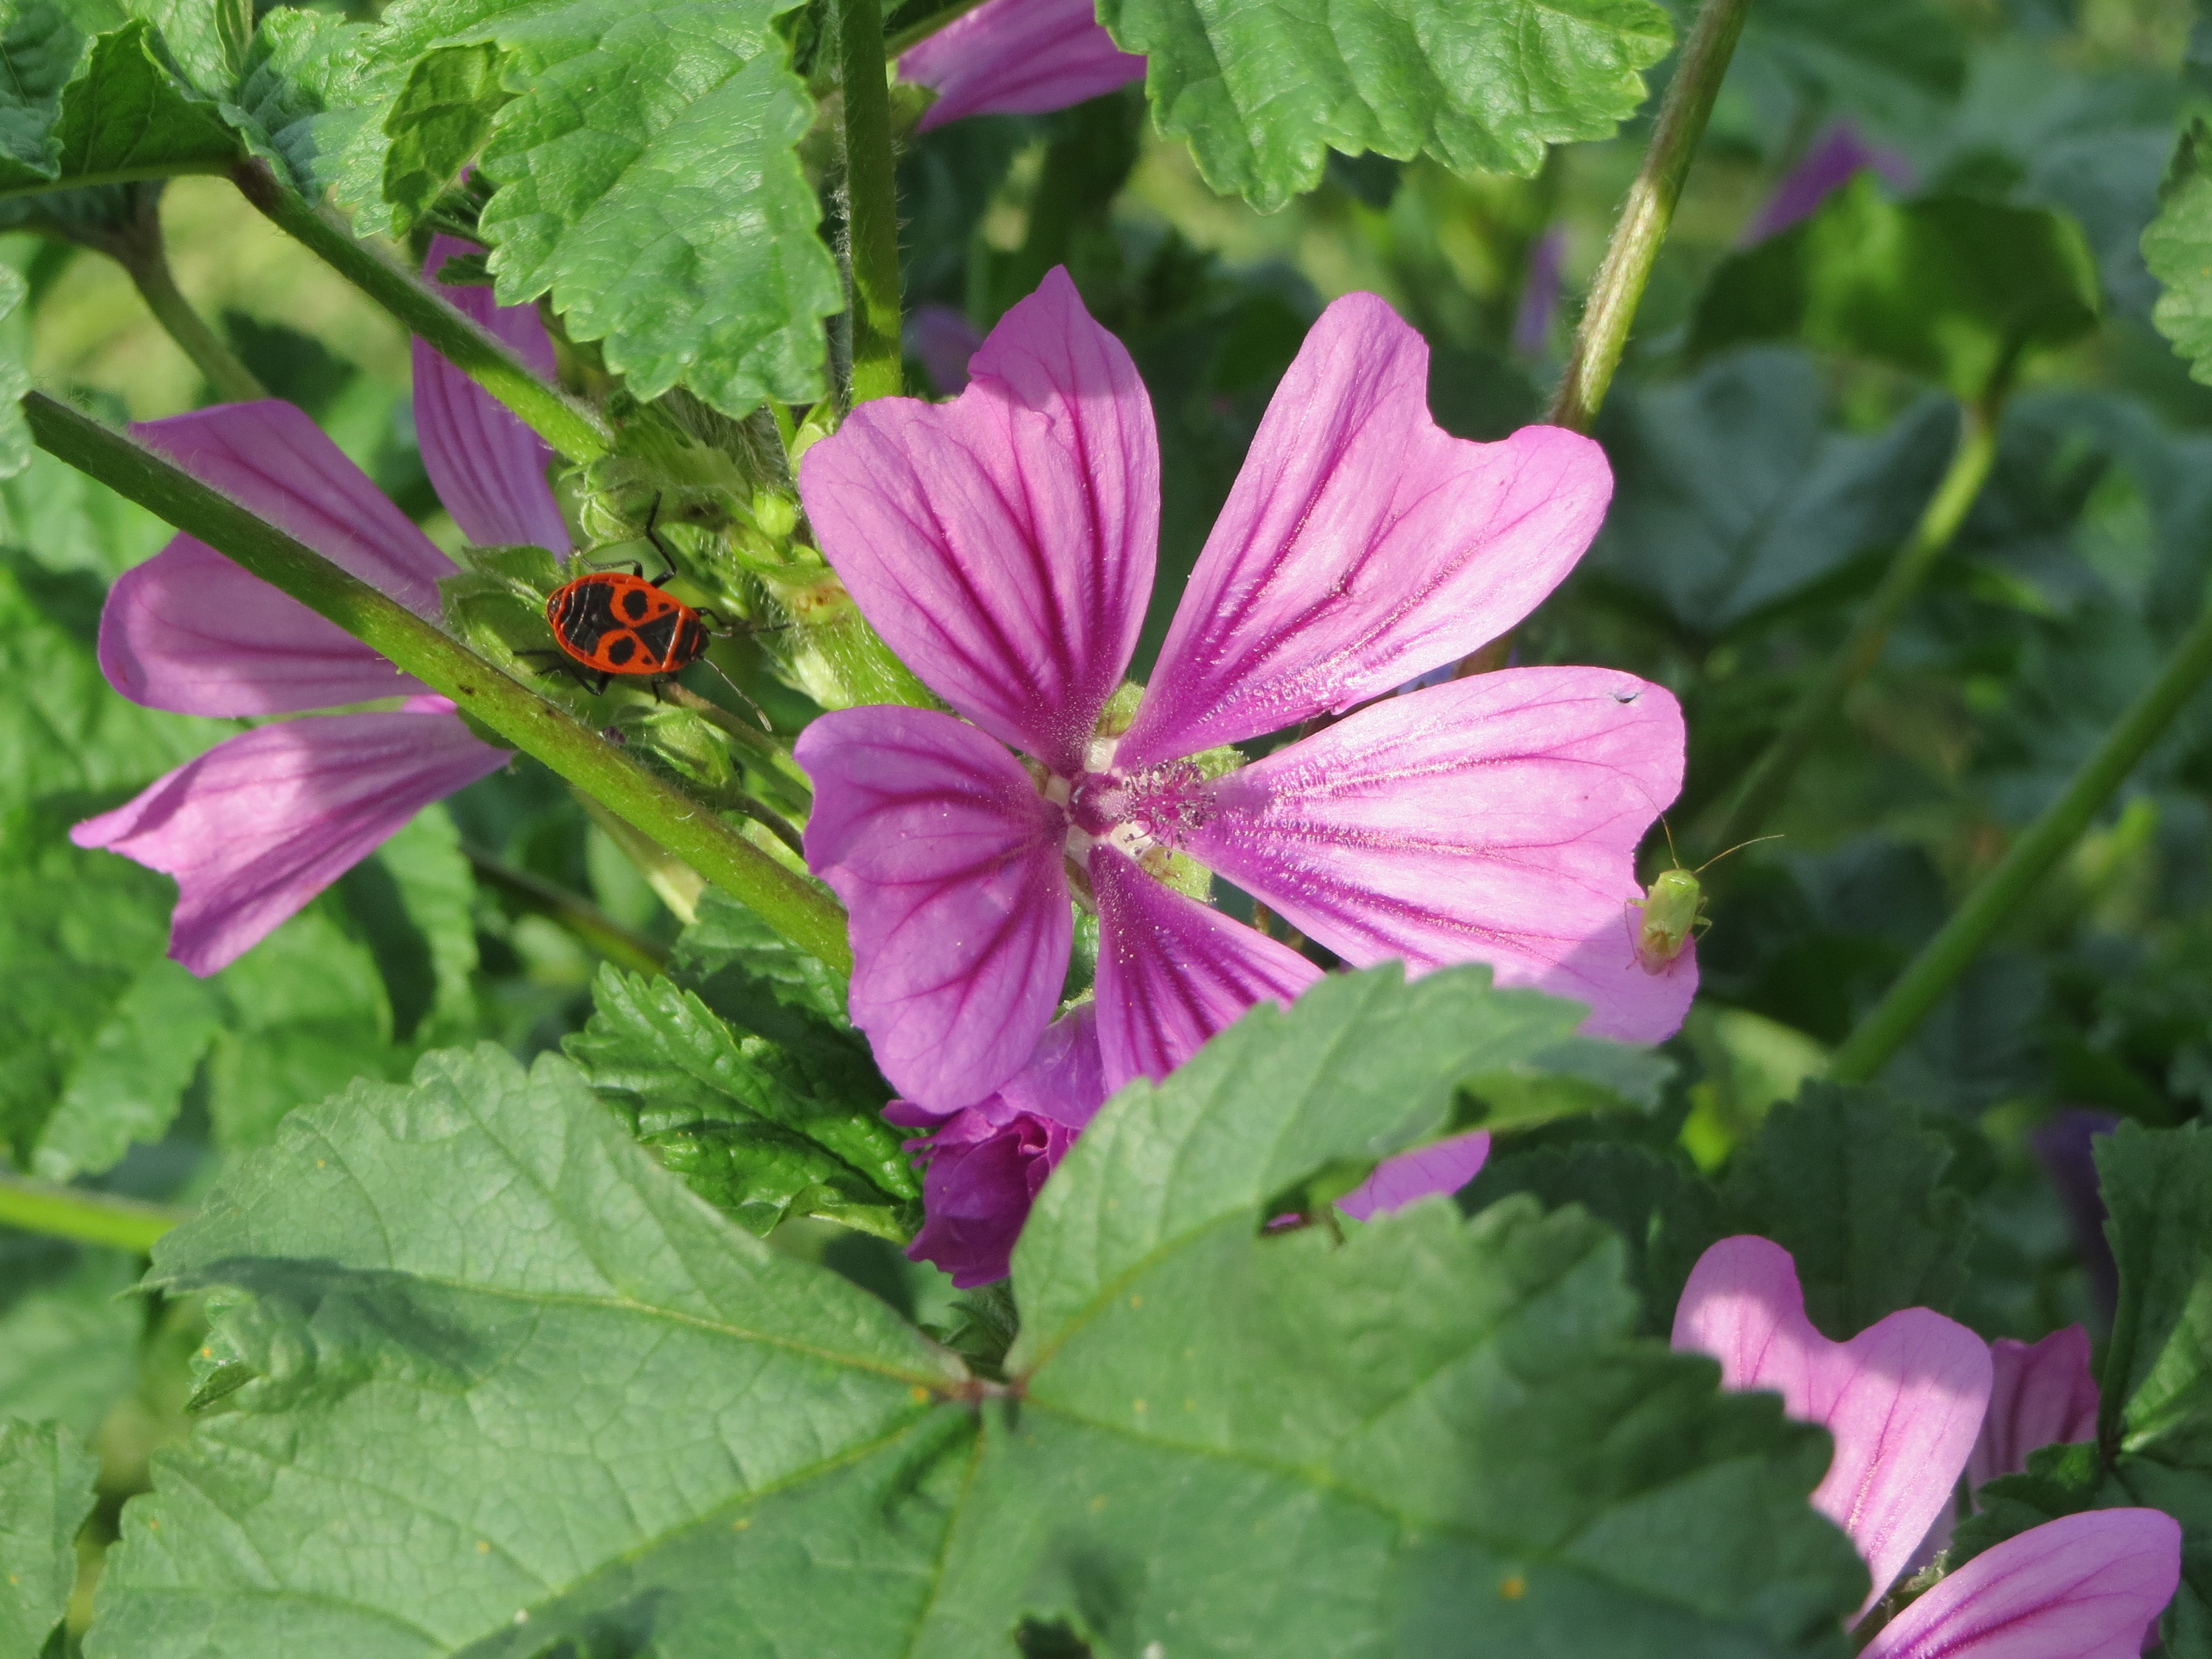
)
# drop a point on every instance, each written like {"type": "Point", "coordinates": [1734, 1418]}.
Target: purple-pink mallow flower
{"type": "Point", "coordinates": [1904, 1400]}
{"type": "Point", "coordinates": [259, 825]}
{"type": "Point", "coordinates": [2041, 1394]}
{"type": "Point", "coordinates": [1017, 58]}
{"type": "Point", "coordinates": [1004, 544]}
{"type": "Point", "coordinates": [1839, 157]}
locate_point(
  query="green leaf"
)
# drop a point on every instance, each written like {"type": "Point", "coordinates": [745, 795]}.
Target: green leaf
{"type": "Point", "coordinates": [420, 1383]}
{"type": "Point", "coordinates": [127, 110]}
{"type": "Point", "coordinates": [16, 445]}
{"type": "Point", "coordinates": [1582, 1074]}
{"type": "Point", "coordinates": [647, 178]}
{"type": "Point", "coordinates": [1897, 62]}
{"type": "Point", "coordinates": [1262, 94]}
{"type": "Point", "coordinates": [1949, 288]}
{"type": "Point", "coordinates": [413, 905]}
{"type": "Point", "coordinates": [1851, 1184]}
{"type": "Point", "coordinates": [2178, 247]}
{"type": "Point", "coordinates": [68, 1329]}
{"type": "Point", "coordinates": [292, 103]}
{"type": "Point", "coordinates": [2156, 1385]}
{"type": "Point", "coordinates": [45, 1492]}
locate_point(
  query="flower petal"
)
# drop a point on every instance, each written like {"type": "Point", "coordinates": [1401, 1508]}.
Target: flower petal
{"type": "Point", "coordinates": [487, 466]}
{"type": "Point", "coordinates": [263, 822]}
{"type": "Point", "coordinates": [269, 456]}
{"type": "Point", "coordinates": [1003, 542]}
{"type": "Point", "coordinates": [977, 1193]}
{"type": "Point", "coordinates": [1361, 544]}
{"type": "Point", "coordinates": [1172, 972]}
{"type": "Point", "coordinates": [2086, 1586]}
{"type": "Point", "coordinates": [1017, 58]}
{"type": "Point", "coordinates": [2040, 1394]}
{"type": "Point", "coordinates": [191, 632]}
{"type": "Point", "coordinates": [1490, 819]}
{"type": "Point", "coordinates": [1904, 1398]}
{"type": "Point", "coordinates": [1442, 1167]}
{"type": "Point", "coordinates": [950, 863]}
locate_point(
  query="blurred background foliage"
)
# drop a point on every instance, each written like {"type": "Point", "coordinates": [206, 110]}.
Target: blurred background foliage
{"type": "Point", "coordinates": [1762, 485]}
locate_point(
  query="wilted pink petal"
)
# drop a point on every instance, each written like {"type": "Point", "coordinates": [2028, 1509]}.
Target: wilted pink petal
{"type": "Point", "coordinates": [269, 456]}
{"type": "Point", "coordinates": [987, 1162]}
{"type": "Point", "coordinates": [950, 863]}
{"type": "Point", "coordinates": [1017, 58]}
{"type": "Point", "coordinates": [191, 632]}
{"type": "Point", "coordinates": [1361, 544]}
{"type": "Point", "coordinates": [977, 1193]}
{"type": "Point", "coordinates": [1172, 972]}
{"type": "Point", "coordinates": [945, 340]}
{"type": "Point", "coordinates": [2040, 1394]}
{"type": "Point", "coordinates": [263, 822]}
{"type": "Point", "coordinates": [1494, 819]}
{"type": "Point", "coordinates": [487, 466]}
{"type": "Point", "coordinates": [1830, 165]}
{"type": "Point", "coordinates": [2084, 1586]}
{"type": "Point", "coordinates": [1003, 542]}
{"type": "Point", "coordinates": [1904, 1398]}
{"type": "Point", "coordinates": [1442, 1167]}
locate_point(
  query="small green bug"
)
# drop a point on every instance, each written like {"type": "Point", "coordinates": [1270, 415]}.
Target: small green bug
{"type": "Point", "coordinates": [1673, 908]}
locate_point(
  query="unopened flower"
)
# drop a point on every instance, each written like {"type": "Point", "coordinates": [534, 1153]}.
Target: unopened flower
{"type": "Point", "coordinates": [1839, 157]}
{"type": "Point", "coordinates": [1905, 1401]}
{"type": "Point", "coordinates": [1017, 58]}
{"type": "Point", "coordinates": [1004, 544]}
{"type": "Point", "coordinates": [257, 826]}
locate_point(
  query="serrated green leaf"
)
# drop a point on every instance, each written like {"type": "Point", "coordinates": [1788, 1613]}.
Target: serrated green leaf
{"type": "Point", "coordinates": [42, 48]}
{"type": "Point", "coordinates": [69, 1331]}
{"type": "Point", "coordinates": [1367, 1064]}
{"type": "Point", "coordinates": [2178, 248]}
{"type": "Point", "coordinates": [45, 1492]}
{"type": "Point", "coordinates": [646, 175]}
{"type": "Point", "coordinates": [420, 1381]}
{"type": "Point", "coordinates": [2156, 1386]}
{"type": "Point", "coordinates": [440, 123]}
{"type": "Point", "coordinates": [1582, 1074]}
{"type": "Point", "coordinates": [757, 979]}
{"type": "Point", "coordinates": [127, 1081]}
{"type": "Point", "coordinates": [1950, 288]}
{"type": "Point", "coordinates": [292, 103]}
{"type": "Point", "coordinates": [127, 110]}
{"type": "Point", "coordinates": [1850, 1184]}
{"type": "Point", "coordinates": [1263, 94]}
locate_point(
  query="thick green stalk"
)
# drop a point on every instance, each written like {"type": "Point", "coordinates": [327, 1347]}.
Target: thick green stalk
{"type": "Point", "coordinates": [1995, 898]}
{"type": "Point", "coordinates": [870, 201]}
{"type": "Point", "coordinates": [570, 428]}
{"type": "Point", "coordinates": [147, 259]}
{"type": "Point", "coordinates": [1770, 775]}
{"type": "Point", "coordinates": [36, 1207]}
{"type": "Point", "coordinates": [1646, 214]}
{"type": "Point", "coordinates": [801, 911]}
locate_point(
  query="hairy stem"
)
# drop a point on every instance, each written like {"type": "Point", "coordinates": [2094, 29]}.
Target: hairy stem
{"type": "Point", "coordinates": [870, 201]}
{"type": "Point", "coordinates": [799, 909]}
{"type": "Point", "coordinates": [570, 428]}
{"type": "Point", "coordinates": [39, 1206]}
{"type": "Point", "coordinates": [1961, 482]}
{"type": "Point", "coordinates": [623, 947]}
{"type": "Point", "coordinates": [145, 256]}
{"type": "Point", "coordinates": [1995, 897]}
{"type": "Point", "coordinates": [1646, 214]}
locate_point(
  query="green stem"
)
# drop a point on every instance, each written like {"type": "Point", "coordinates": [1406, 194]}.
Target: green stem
{"type": "Point", "coordinates": [800, 910]}
{"type": "Point", "coordinates": [620, 946]}
{"type": "Point", "coordinates": [1961, 482]}
{"type": "Point", "coordinates": [144, 254]}
{"type": "Point", "coordinates": [1995, 897]}
{"type": "Point", "coordinates": [569, 427]}
{"type": "Point", "coordinates": [870, 201]}
{"type": "Point", "coordinates": [1646, 214]}
{"type": "Point", "coordinates": [115, 176]}
{"type": "Point", "coordinates": [36, 1207]}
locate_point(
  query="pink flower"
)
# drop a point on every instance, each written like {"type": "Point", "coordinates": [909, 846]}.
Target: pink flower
{"type": "Point", "coordinates": [1004, 544]}
{"type": "Point", "coordinates": [1017, 58]}
{"type": "Point", "coordinates": [261, 823]}
{"type": "Point", "coordinates": [1440, 1169]}
{"type": "Point", "coordinates": [1904, 1400]}
{"type": "Point", "coordinates": [2040, 1394]}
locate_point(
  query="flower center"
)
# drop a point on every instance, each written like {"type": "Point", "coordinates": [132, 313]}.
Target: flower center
{"type": "Point", "coordinates": [1134, 811]}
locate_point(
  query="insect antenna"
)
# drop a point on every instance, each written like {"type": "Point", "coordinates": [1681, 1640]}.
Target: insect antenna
{"type": "Point", "coordinates": [1725, 851]}
{"type": "Point", "coordinates": [759, 714]}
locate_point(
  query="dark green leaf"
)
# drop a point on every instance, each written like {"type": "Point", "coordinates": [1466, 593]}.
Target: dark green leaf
{"type": "Point", "coordinates": [45, 1492]}
{"type": "Point", "coordinates": [69, 1332]}
{"type": "Point", "coordinates": [646, 172]}
{"type": "Point", "coordinates": [1582, 1074]}
{"type": "Point", "coordinates": [1851, 1184]}
{"type": "Point", "coordinates": [412, 904]}
{"type": "Point", "coordinates": [1950, 288]}
{"type": "Point", "coordinates": [127, 109]}
{"type": "Point", "coordinates": [2156, 1386]}
{"type": "Point", "coordinates": [2178, 247]}
{"type": "Point", "coordinates": [1263, 96]}
{"type": "Point", "coordinates": [1891, 61]}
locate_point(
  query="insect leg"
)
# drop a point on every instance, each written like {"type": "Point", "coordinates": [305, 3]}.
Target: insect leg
{"type": "Point", "coordinates": [651, 517]}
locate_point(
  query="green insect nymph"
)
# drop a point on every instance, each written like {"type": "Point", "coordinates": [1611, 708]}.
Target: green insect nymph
{"type": "Point", "coordinates": [1673, 909]}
